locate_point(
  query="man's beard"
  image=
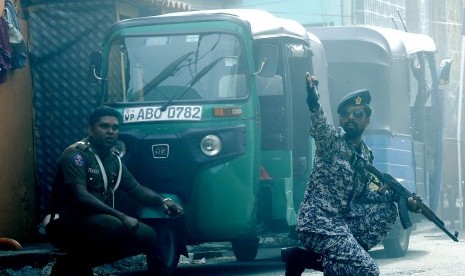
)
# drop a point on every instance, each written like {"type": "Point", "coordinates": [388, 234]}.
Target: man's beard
{"type": "Point", "coordinates": [102, 145]}
{"type": "Point", "coordinates": [353, 132]}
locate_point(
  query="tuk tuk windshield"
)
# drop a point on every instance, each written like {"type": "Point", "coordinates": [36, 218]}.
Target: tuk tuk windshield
{"type": "Point", "coordinates": [176, 68]}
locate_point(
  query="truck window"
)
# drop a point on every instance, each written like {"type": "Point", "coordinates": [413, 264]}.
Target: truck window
{"type": "Point", "coordinates": [420, 71]}
{"type": "Point", "coordinates": [270, 86]}
{"type": "Point", "coordinates": [193, 67]}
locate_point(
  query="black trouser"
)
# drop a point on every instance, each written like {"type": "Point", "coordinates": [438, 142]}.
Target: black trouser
{"type": "Point", "coordinates": [98, 239]}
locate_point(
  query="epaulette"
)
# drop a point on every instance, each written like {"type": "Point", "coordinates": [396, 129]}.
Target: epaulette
{"type": "Point", "coordinates": [115, 151]}
{"type": "Point", "coordinates": [367, 149]}
{"type": "Point", "coordinates": [81, 145]}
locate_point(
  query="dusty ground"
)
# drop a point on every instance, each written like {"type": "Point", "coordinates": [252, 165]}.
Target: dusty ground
{"type": "Point", "coordinates": [39, 259]}
{"type": "Point", "coordinates": [133, 263]}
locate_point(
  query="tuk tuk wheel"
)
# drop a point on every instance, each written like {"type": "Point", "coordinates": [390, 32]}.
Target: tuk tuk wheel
{"type": "Point", "coordinates": [397, 241]}
{"type": "Point", "coordinates": [167, 239]}
{"type": "Point", "coordinates": [245, 249]}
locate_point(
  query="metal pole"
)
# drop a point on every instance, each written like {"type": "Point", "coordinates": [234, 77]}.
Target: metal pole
{"type": "Point", "coordinates": [459, 123]}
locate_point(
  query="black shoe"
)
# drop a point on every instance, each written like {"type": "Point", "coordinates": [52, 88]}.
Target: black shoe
{"type": "Point", "coordinates": [69, 266]}
{"type": "Point", "coordinates": [298, 259]}
{"type": "Point", "coordinates": [290, 256]}
{"type": "Point", "coordinates": [157, 266]}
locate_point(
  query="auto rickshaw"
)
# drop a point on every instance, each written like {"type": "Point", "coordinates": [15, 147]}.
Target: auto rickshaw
{"type": "Point", "coordinates": [214, 117]}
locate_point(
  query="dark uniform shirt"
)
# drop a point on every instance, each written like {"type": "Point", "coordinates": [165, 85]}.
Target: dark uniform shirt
{"type": "Point", "coordinates": [78, 165]}
{"type": "Point", "coordinates": [335, 190]}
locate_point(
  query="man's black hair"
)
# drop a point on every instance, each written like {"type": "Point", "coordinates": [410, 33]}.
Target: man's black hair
{"type": "Point", "coordinates": [101, 111]}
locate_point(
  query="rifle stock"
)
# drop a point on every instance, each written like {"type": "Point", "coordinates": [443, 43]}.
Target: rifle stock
{"type": "Point", "coordinates": [404, 194]}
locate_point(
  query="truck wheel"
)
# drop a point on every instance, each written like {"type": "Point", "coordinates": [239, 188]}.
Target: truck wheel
{"type": "Point", "coordinates": [397, 241]}
{"type": "Point", "coordinates": [167, 239]}
{"type": "Point", "coordinates": [245, 249]}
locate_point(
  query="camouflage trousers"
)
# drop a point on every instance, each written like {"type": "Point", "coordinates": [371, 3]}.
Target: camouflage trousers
{"type": "Point", "coordinates": [347, 254]}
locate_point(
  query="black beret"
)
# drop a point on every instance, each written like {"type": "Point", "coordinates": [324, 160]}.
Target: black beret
{"type": "Point", "coordinates": [359, 97]}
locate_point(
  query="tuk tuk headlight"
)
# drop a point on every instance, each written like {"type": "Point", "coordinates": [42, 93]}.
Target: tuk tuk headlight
{"type": "Point", "coordinates": [211, 145]}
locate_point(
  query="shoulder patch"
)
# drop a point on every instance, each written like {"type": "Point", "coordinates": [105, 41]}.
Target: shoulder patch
{"type": "Point", "coordinates": [78, 160]}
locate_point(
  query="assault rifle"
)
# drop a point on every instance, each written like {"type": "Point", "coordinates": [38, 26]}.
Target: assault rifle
{"type": "Point", "coordinates": [386, 181]}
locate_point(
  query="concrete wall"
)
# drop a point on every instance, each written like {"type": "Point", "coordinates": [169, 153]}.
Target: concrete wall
{"type": "Point", "coordinates": [17, 189]}
{"type": "Point", "coordinates": [306, 12]}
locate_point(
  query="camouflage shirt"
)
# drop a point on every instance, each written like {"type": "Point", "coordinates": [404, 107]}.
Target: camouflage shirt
{"type": "Point", "coordinates": [335, 190]}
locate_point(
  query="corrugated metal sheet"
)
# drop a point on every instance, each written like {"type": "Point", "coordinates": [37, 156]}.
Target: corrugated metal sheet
{"type": "Point", "coordinates": [62, 36]}
{"type": "Point", "coordinates": [160, 4]}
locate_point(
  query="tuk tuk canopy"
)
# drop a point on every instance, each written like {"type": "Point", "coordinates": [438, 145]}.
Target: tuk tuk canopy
{"type": "Point", "coordinates": [372, 44]}
{"type": "Point", "coordinates": [263, 24]}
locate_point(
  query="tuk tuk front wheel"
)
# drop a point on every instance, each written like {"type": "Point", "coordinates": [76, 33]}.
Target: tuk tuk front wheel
{"type": "Point", "coordinates": [245, 249]}
{"type": "Point", "coordinates": [397, 241]}
{"type": "Point", "coordinates": [168, 242]}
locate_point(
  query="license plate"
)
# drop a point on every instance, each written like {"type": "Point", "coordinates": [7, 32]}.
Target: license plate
{"type": "Point", "coordinates": [154, 113]}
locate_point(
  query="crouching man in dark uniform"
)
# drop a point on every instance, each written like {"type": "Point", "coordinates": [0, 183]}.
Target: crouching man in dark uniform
{"type": "Point", "coordinates": [340, 217]}
{"type": "Point", "coordinates": [84, 222]}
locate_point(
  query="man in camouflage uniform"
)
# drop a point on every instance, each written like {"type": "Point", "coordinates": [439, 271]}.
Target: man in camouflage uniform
{"type": "Point", "coordinates": [341, 218]}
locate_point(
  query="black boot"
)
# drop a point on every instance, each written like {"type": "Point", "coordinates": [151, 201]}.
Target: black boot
{"type": "Point", "coordinates": [298, 259]}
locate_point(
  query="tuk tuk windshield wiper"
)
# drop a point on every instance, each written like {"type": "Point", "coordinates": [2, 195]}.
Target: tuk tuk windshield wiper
{"type": "Point", "coordinates": [172, 68]}
{"type": "Point", "coordinates": [194, 80]}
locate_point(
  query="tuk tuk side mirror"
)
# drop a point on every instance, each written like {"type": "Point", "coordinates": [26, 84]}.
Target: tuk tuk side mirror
{"type": "Point", "coordinates": [444, 70]}
{"type": "Point", "coordinates": [95, 67]}
{"type": "Point", "coordinates": [267, 62]}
